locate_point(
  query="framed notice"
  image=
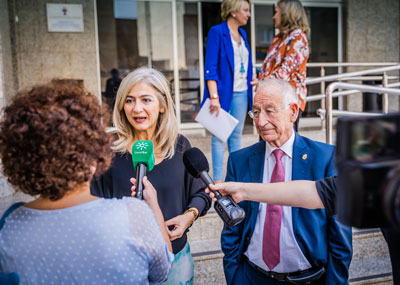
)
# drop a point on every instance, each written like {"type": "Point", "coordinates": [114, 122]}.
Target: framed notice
{"type": "Point", "coordinates": [64, 17]}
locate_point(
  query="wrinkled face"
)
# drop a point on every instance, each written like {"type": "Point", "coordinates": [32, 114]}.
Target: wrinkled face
{"type": "Point", "coordinates": [142, 107]}
{"type": "Point", "coordinates": [243, 15]}
{"type": "Point", "coordinates": [274, 122]}
{"type": "Point", "coordinates": [277, 17]}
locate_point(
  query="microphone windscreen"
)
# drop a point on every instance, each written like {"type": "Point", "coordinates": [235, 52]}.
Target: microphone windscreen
{"type": "Point", "coordinates": [195, 161]}
{"type": "Point", "coordinates": [143, 152]}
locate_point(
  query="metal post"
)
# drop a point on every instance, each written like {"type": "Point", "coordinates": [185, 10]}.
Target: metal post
{"type": "Point", "coordinates": [200, 46]}
{"type": "Point", "coordinates": [385, 99]}
{"type": "Point", "coordinates": [96, 34]}
{"type": "Point", "coordinates": [176, 66]}
{"type": "Point", "coordinates": [322, 74]}
{"type": "Point", "coordinates": [148, 33]}
{"type": "Point", "coordinates": [253, 49]}
{"type": "Point", "coordinates": [328, 114]}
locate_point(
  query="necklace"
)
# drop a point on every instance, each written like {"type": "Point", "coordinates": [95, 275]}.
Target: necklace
{"type": "Point", "coordinates": [240, 49]}
{"type": "Point", "coordinates": [242, 70]}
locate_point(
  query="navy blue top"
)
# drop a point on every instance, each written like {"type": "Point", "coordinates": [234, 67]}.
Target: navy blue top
{"type": "Point", "coordinates": [177, 190]}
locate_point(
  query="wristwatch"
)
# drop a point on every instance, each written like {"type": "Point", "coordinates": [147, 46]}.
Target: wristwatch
{"type": "Point", "coordinates": [214, 96]}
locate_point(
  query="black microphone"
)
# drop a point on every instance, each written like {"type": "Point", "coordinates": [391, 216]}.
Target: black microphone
{"type": "Point", "coordinates": [197, 165]}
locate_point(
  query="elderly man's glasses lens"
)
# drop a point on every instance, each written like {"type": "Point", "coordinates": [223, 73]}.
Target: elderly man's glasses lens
{"type": "Point", "coordinates": [255, 114]}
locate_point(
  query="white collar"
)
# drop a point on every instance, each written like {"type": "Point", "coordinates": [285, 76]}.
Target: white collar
{"type": "Point", "coordinates": [287, 147]}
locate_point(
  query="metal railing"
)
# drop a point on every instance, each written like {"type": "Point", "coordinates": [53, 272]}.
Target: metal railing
{"type": "Point", "coordinates": [358, 87]}
{"type": "Point", "coordinates": [382, 67]}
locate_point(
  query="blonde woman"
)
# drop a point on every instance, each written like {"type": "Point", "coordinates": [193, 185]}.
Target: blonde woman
{"type": "Point", "coordinates": [228, 72]}
{"type": "Point", "coordinates": [144, 110]}
{"type": "Point", "coordinates": [288, 54]}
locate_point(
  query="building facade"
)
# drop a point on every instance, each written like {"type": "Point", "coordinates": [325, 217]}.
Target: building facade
{"type": "Point", "coordinates": [171, 36]}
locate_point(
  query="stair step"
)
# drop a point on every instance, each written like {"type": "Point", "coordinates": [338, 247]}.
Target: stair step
{"type": "Point", "coordinates": [370, 263]}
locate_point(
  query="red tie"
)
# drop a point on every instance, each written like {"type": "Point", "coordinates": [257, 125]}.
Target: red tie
{"type": "Point", "coordinates": [273, 219]}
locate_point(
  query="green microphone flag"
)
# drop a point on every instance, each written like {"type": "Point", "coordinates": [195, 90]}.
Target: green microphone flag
{"type": "Point", "coordinates": [143, 161]}
{"type": "Point", "coordinates": [143, 152]}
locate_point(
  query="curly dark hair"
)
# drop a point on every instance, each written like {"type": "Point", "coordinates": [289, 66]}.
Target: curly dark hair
{"type": "Point", "coordinates": [51, 136]}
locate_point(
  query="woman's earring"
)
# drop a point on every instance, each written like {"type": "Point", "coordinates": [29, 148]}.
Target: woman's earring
{"type": "Point", "coordinates": [161, 111]}
{"type": "Point", "coordinates": [234, 15]}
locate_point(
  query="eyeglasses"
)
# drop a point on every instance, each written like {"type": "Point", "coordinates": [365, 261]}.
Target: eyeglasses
{"type": "Point", "coordinates": [270, 112]}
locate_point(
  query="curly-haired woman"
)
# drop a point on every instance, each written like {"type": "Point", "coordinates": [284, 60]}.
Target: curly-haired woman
{"type": "Point", "coordinates": [52, 141]}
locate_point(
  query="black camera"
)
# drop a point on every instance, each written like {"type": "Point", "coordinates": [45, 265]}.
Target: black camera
{"type": "Point", "coordinates": [368, 162]}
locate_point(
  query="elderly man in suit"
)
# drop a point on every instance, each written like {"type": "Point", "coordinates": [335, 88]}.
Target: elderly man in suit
{"type": "Point", "coordinates": [277, 244]}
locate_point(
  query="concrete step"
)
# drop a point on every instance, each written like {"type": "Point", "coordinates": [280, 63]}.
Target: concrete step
{"type": "Point", "coordinates": [370, 263]}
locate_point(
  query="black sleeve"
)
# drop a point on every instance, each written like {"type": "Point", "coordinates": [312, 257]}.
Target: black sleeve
{"type": "Point", "coordinates": [101, 186]}
{"type": "Point", "coordinates": [109, 91]}
{"type": "Point", "coordinates": [195, 186]}
{"type": "Point", "coordinates": [327, 192]}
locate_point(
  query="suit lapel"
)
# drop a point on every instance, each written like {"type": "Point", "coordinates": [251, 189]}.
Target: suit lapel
{"type": "Point", "coordinates": [300, 166]}
{"type": "Point", "coordinates": [256, 169]}
{"type": "Point", "coordinates": [228, 45]}
{"type": "Point", "coordinates": [256, 163]}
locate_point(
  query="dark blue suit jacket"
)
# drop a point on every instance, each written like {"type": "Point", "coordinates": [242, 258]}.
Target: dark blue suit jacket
{"type": "Point", "coordinates": [220, 66]}
{"type": "Point", "coordinates": [322, 239]}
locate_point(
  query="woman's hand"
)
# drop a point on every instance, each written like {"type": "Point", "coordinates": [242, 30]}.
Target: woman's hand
{"type": "Point", "coordinates": [235, 189]}
{"type": "Point", "coordinates": [215, 106]}
{"type": "Point", "coordinates": [149, 193]}
{"type": "Point", "coordinates": [255, 83]}
{"type": "Point", "coordinates": [180, 223]}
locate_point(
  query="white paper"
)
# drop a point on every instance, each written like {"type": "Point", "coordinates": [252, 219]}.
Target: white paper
{"type": "Point", "coordinates": [221, 126]}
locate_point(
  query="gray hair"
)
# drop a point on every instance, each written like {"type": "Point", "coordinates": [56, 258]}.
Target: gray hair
{"type": "Point", "coordinates": [166, 133]}
{"type": "Point", "coordinates": [287, 92]}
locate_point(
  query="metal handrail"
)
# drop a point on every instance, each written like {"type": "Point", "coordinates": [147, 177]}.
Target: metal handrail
{"type": "Point", "coordinates": [349, 64]}
{"type": "Point", "coordinates": [318, 97]}
{"type": "Point", "coordinates": [342, 85]}
{"type": "Point", "coordinates": [342, 64]}
{"type": "Point", "coordinates": [352, 74]}
{"type": "Point", "coordinates": [336, 113]}
{"type": "Point", "coordinates": [360, 78]}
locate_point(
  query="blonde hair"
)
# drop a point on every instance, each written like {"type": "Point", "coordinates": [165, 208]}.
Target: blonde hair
{"type": "Point", "coordinates": [166, 133]}
{"type": "Point", "coordinates": [293, 16]}
{"type": "Point", "coordinates": [229, 6]}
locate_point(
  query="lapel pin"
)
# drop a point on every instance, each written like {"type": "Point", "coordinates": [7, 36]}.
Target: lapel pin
{"type": "Point", "coordinates": [304, 157]}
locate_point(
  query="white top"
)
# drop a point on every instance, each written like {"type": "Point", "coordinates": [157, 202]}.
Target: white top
{"type": "Point", "coordinates": [241, 59]}
{"type": "Point", "coordinates": [292, 258]}
{"type": "Point", "coordinates": [105, 241]}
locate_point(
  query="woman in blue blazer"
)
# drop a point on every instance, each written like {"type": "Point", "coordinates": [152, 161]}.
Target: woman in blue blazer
{"type": "Point", "coordinates": [228, 72]}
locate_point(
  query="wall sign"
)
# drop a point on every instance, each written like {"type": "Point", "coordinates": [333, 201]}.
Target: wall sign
{"type": "Point", "coordinates": [64, 17]}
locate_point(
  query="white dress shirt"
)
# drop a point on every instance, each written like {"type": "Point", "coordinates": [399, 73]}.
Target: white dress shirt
{"type": "Point", "coordinates": [291, 257]}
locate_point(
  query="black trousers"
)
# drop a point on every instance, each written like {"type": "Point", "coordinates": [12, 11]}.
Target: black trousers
{"type": "Point", "coordinates": [392, 237]}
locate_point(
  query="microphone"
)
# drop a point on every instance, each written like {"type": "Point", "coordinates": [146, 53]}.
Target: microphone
{"type": "Point", "coordinates": [197, 165]}
{"type": "Point", "coordinates": [143, 160]}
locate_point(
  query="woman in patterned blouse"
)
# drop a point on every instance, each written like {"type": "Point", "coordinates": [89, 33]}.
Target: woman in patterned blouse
{"type": "Point", "coordinates": [288, 54]}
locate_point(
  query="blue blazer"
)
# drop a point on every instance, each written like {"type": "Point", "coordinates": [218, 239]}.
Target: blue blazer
{"type": "Point", "coordinates": [322, 239]}
{"type": "Point", "coordinates": [220, 66]}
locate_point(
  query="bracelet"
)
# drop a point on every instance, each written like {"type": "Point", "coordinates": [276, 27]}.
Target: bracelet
{"type": "Point", "coordinates": [194, 215]}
